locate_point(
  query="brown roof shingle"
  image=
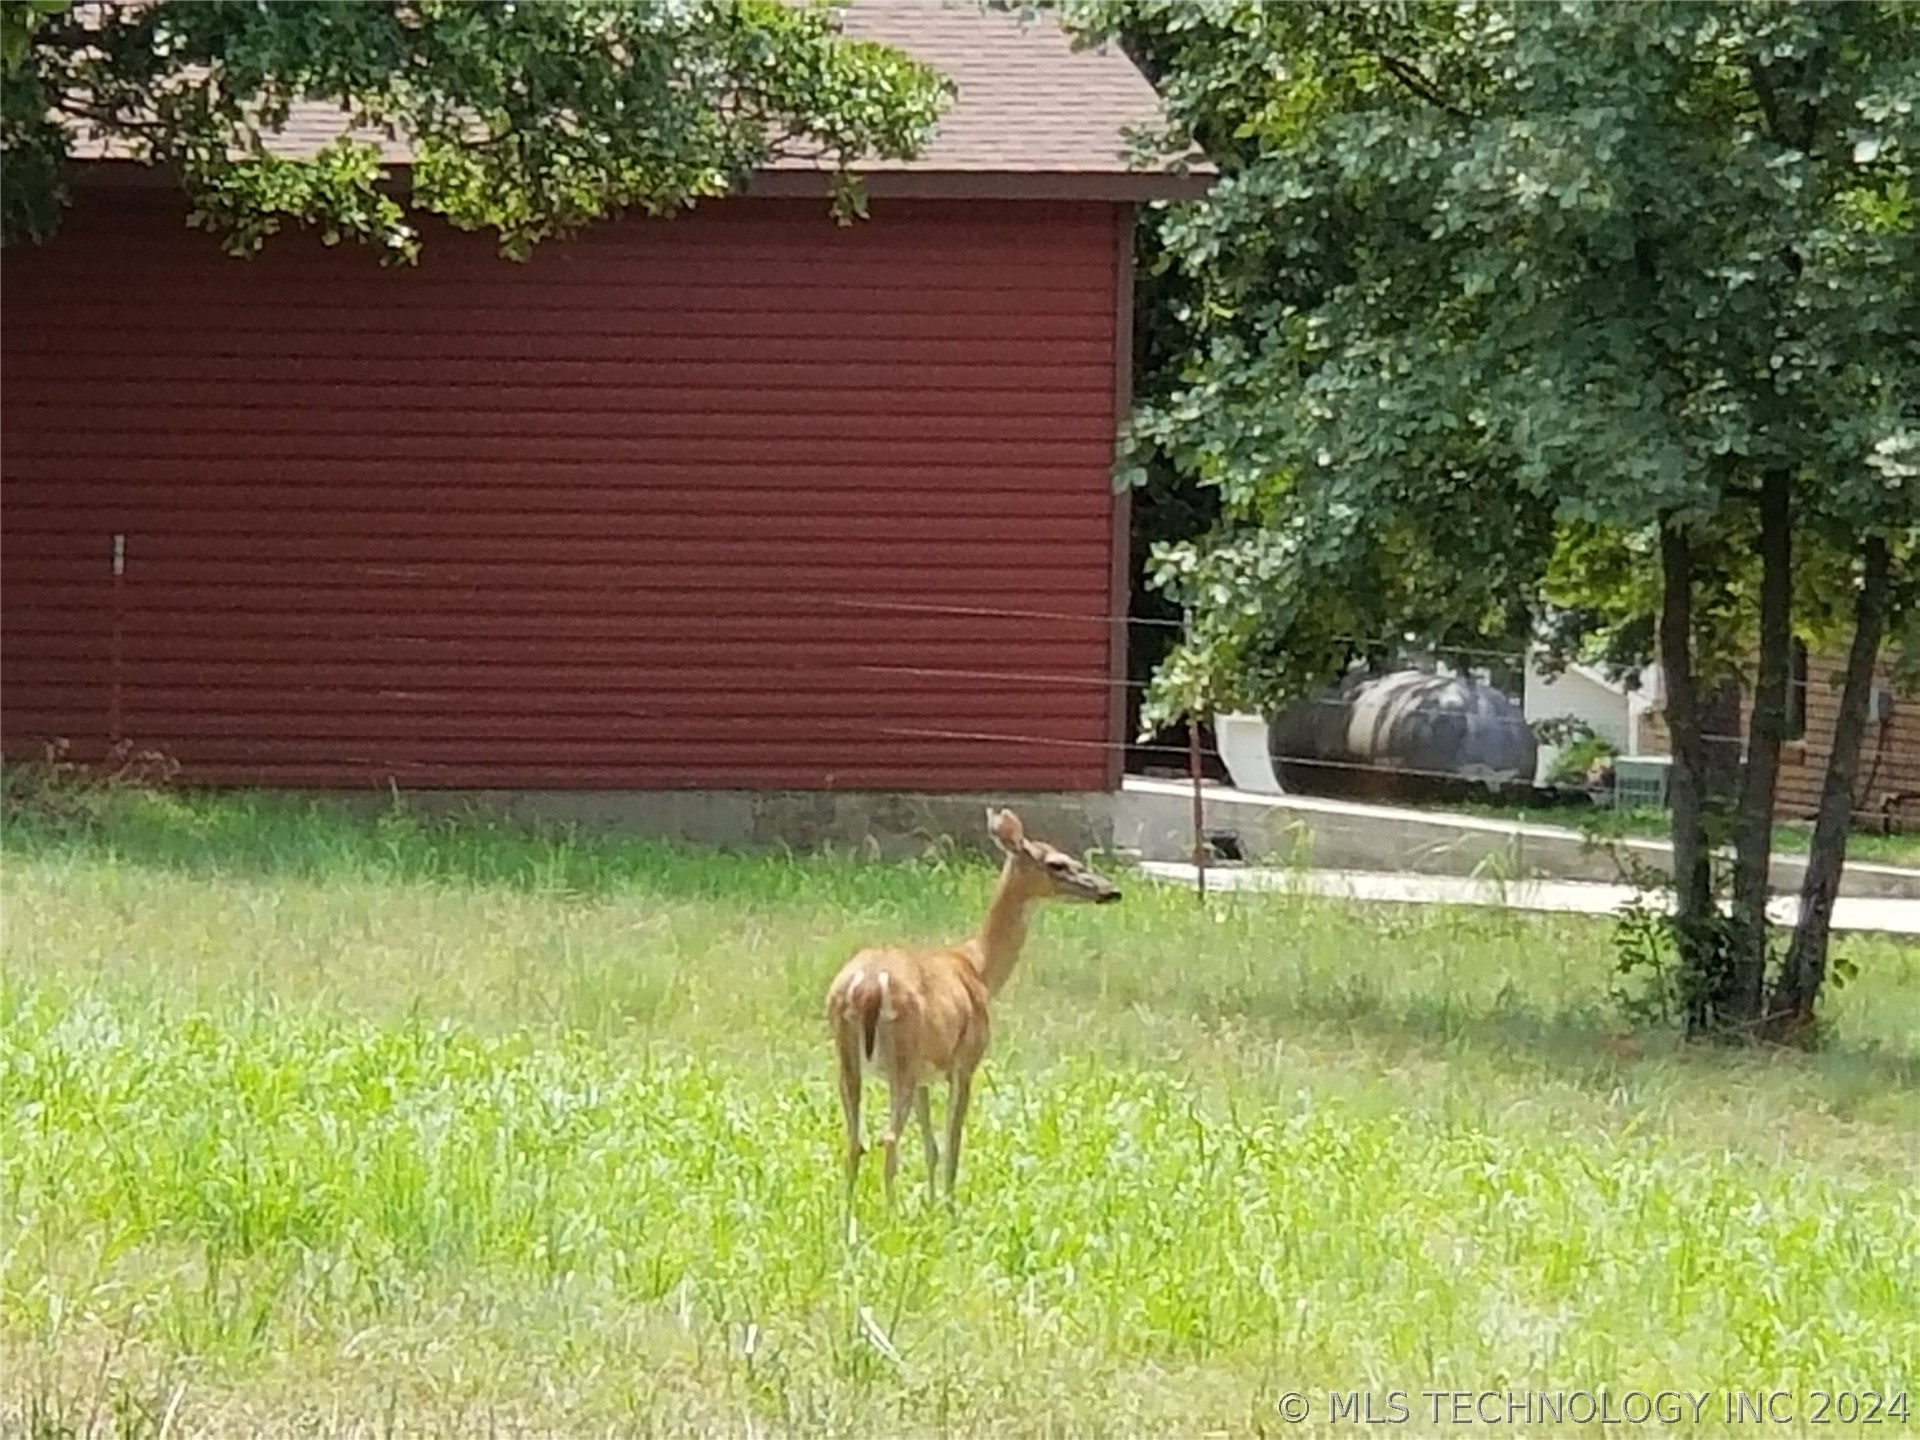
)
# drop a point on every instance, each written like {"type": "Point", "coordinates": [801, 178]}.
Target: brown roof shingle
{"type": "Point", "coordinates": [1028, 103]}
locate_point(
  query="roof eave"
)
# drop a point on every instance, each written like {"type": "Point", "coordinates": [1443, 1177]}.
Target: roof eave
{"type": "Point", "coordinates": [1116, 186]}
{"type": "Point", "coordinates": [931, 184]}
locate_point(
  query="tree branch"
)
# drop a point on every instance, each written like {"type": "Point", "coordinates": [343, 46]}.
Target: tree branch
{"type": "Point", "coordinates": [1408, 74]}
{"type": "Point", "coordinates": [85, 113]}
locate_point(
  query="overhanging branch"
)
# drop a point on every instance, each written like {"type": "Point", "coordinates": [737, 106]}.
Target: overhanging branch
{"type": "Point", "coordinates": [1409, 75]}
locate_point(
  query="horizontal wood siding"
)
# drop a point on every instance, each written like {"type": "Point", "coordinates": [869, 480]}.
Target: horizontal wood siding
{"type": "Point", "coordinates": [676, 504]}
{"type": "Point", "coordinates": [1889, 758]}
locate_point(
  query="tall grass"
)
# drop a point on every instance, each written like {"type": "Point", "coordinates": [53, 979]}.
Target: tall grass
{"type": "Point", "coordinates": [333, 1126]}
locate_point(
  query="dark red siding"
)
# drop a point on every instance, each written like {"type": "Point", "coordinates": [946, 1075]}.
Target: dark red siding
{"type": "Point", "coordinates": [642, 512]}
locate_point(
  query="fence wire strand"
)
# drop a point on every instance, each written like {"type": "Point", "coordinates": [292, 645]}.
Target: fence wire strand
{"type": "Point", "coordinates": [1088, 617]}
{"type": "Point", "coordinates": [1093, 682]}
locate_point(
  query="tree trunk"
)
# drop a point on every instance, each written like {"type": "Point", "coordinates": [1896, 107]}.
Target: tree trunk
{"type": "Point", "coordinates": [1766, 735]}
{"type": "Point", "coordinates": [1805, 969]}
{"type": "Point", "coordinates": [1695, 923]}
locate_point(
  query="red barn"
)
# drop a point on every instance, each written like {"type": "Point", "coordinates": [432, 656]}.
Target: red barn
{"type": "Point", "coordinates": [741, 501]}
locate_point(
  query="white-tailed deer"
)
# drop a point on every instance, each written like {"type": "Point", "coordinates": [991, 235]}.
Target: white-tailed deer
{"type": "Point", "coordinates": [913, 1014]}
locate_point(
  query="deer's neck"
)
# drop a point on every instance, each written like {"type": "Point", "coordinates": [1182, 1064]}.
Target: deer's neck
{"type": "Point", "coordinates": [997, 942]}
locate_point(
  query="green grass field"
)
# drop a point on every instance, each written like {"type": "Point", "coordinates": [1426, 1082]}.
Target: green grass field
{"type": "Point", "coordinates": [330, 1127]}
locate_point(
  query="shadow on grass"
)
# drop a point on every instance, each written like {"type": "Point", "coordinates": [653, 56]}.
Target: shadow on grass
{"type": "Point", "coordinates": [229, 834]}
{"type": "Point", "coordinates": [214, 835]}
{"type": "Point", "coordinates": [1582, 1043]}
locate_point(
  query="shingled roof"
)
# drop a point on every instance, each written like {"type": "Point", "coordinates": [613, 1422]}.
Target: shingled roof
{"type": "Point", "coordinates": [1033, 115]}
{"type": "Point", "coordinates": [1028, 101]}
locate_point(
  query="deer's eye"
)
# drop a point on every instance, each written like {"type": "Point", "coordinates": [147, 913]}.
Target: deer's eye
{"type": "Point", "coordinates": [1059, 866]}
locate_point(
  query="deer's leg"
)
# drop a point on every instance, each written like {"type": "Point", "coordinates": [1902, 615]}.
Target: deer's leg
{"type": "Point", "coordinates": [924, 1100]}
{"type": "Point", "coordinates": [959, 1091]}
{"type": "Point", "coordinates": [850, 1081]}
{"type": "Point", "coordinates": [903, 1092]}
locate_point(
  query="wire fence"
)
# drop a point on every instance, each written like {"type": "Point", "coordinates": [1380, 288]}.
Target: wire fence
{"type": "Point", "coordinates": [1094, 682]}
{"type": "Point", "coordinates": [1175, 752]}
{"type": "Point", "coordinates": [1192, 755]}
{"type": "Point", "coordinates": [1515, 654]}
{"type": "Point", "coordinates": [1195, 755]}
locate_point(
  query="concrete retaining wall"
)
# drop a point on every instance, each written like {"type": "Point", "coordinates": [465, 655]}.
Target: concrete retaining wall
{"type": "Point", "coordinates": [1155, 819]}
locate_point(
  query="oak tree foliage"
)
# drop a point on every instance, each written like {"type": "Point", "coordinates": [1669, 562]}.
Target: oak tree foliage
{"type": "Point", "coordinates": [1584, 320]}
{"type": "Point", "coordinates": [532, 119]}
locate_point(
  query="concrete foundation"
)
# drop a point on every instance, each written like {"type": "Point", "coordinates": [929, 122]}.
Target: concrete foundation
{"type": "Point", "coordinates": [889, 826]}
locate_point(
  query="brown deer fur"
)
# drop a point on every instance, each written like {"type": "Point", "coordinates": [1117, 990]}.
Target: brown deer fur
{"type": "Point", "coordinates": [910, 1015]}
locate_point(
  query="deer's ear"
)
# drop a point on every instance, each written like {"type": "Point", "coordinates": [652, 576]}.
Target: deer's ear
{"type": "Point", "coordinates": [1006, 830]}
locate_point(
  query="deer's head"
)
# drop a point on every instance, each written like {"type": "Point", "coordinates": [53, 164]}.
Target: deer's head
{"type": "Point", "coordinates": [1044, 872]}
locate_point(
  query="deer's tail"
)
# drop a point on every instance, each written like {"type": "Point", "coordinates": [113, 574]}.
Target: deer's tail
{"type": "Point", "coordinates": [872, 999]}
